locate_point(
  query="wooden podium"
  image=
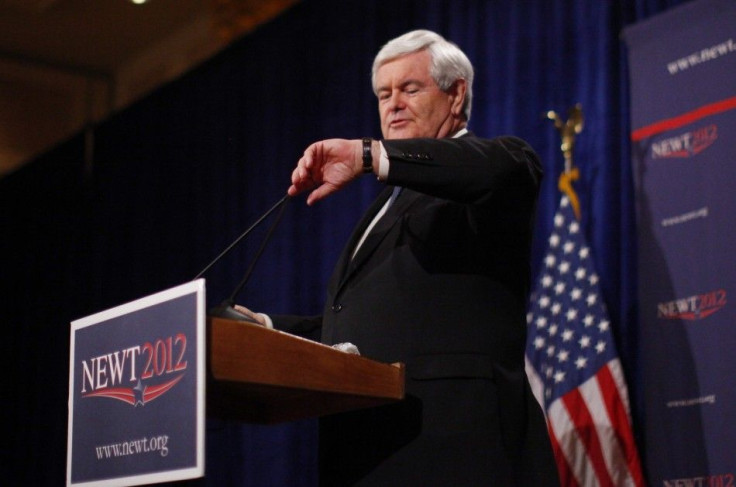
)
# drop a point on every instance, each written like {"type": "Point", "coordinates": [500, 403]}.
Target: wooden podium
{"type": "Point", "coordinates": [268, 376]}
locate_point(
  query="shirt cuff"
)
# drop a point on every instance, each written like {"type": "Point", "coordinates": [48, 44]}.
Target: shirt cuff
{"type": "Point", "coordinates": [383, 164]}
{"type": "Point", "coordinates": [267, 319]}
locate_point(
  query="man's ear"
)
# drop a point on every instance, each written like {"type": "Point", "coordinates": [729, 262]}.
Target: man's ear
{"type": "Point", "coordinates": [457, 92]}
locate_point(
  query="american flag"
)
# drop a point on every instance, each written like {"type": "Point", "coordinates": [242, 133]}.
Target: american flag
{"type": "Point", "coordinates": [573, 366]}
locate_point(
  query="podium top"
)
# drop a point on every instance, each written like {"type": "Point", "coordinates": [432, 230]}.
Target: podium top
{"type": "Point", "coordinates": [268, 376]}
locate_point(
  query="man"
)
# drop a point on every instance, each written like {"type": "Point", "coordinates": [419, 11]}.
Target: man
{"type": "Point", "coordinates": [437, 279]}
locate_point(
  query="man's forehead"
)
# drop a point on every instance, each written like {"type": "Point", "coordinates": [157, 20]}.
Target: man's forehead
{"type": "Point", "coordinates": [413, 66]}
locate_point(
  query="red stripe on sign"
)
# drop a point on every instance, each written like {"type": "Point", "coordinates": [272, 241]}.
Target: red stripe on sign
{"type": "Point", "coordinates": [684, 119]}
{"type": "Point", "coordinates": [585, 427]}
{"type": "Point", "coordinates": [620, 419]}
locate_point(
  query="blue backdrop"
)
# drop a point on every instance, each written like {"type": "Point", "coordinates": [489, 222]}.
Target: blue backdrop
{"type": "Point", "coordinates": [180, 174]}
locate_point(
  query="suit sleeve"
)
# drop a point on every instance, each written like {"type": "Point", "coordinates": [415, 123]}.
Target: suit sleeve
{"type": "Point", "coordinates": [304, 326]}
{"type": "Point", "coordinates": [467, 170]}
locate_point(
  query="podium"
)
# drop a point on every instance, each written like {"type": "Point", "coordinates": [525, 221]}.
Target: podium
{"type": "Point", "coordinates": [267, 376]}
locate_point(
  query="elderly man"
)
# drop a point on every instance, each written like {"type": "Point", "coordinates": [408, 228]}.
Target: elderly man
{"type": "Point", "coordinates": [436, 276]}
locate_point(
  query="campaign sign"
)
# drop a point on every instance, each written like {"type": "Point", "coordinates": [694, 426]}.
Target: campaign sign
{"type": "Point", "coordinates": [136, 391]}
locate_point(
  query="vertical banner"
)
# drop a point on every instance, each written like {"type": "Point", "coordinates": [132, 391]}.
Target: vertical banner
{"type": "Point", "coordinates": [683, 106]}
{"type": "Point", "coordinates": [137, 390]}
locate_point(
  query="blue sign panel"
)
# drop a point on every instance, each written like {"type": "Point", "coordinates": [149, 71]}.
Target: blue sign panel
{"type": "Point", "coordinates": [136, 391]}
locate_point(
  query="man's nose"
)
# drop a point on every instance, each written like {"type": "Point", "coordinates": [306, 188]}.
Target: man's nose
{"type": "Point", "coordinates": [396, 102]}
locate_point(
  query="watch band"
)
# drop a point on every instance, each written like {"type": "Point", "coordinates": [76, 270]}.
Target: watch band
{"type": "Point", "coordinates": [367, 155]}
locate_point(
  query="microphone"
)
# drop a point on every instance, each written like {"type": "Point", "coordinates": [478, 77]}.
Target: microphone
{"type": "Point", "coordinates": [225, 309]}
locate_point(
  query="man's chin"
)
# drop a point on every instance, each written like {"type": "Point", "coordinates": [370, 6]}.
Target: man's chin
{"type": "Point", "coordinates": [400, 133]}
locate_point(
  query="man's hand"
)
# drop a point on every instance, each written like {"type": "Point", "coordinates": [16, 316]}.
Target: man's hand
{"type": "Point", "coordinates": [257, 317]}
{"type": "Point", "coordinates": [328, 166]}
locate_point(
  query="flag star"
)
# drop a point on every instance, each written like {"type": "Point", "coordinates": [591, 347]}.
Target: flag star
{"type": "Point", "coordinates": [563, 355]}
{"type": "Point", "coordinates": [541, 322]}
{"type": "Point", "coordinates": [584, 341]}
{"type": "Point", "coordinates": [564, 267]}
{"type": "Point", "coordinates": [603, 326]}
{"type": "Point", "coordinates": [574, 227]}
{"type": "Point", "coordinates": [600, 347]}
{"type": "Point", "coordinates": [584, 252]}
{"type": "Point", "coordinates": [568, 247]}
{"type": "Point", "coordinates": [539, 342]}
{"type": "Point", "coordinates": [591, 299]}
{"type": "Point", "coordinates": [556, 308]}
{"type": "Point", "coordinates": [554, 240]}
{"type": "Point", "coordinates": [580, 273]}
{"type": "Point", "coordinates": [559, 376]}
{"type": "Point", "coordinates": [529, 317]}
{"type": "Point", "coordinates": [564, 202]}
{"type": "Point", "coordinates": [581, 362]}
{"type": "Point", "coordinates": [559, 220]}
{"type": "Point", "coordinates": [593, 279]}
{"type": "Point", "coordinates": [560, 287]}
{"type": "Point", "coordinates": [588, 320]}
{"type": "Point", "coordinates": [553, 330]}
{"type": "Point", "coordinates": [571, 314]}
{"type": "Point", "coordinates": [550, 350]}
{"type": "Point", "coordinates": [544, 301]}
{"type": "Point", "coordinates": [547, 280]}
{"type": "Point", "coordinates": [567, 335]}
{"type": "Point", "coordinates": [575, 294]}
{"type": "Point", "coordinates": [548, 372]}
{"type": "Point", "coordinates": [548, 393]}
{"type": "Point", "coordinates": [550, 260]}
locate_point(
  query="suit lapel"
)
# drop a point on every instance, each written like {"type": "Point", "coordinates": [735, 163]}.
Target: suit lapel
{"type": "Point", "coordinates": [344, 260]}
{"type": "Point", "coordinates": [377, 234]}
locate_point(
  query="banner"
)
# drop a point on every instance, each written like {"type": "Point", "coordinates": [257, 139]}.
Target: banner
{"type": "Point", "coordinates": [137, 390]}
{"type": "Point", "coordinates": [683, 109]}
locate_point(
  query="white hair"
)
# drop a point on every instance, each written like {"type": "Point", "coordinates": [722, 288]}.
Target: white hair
{"type": "Point", "coordinates": [448, 63]}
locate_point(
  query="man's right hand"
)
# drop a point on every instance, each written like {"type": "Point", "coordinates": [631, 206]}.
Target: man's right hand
{"type": "Point", "coordinates": [327, 166]}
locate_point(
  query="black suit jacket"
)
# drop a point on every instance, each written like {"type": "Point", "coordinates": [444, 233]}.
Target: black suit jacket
{"type": "Point", "coordinates": [441, 284]}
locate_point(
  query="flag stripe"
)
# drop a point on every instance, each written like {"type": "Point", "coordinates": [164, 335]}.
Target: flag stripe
{"type": "Point", "coordinates": [585, 427]}
{"type": "Point", "coordinates": [618, 412]}
{"type": "Point", "coordinates": [596, 393]}
{"type": "Point", "coordinates": [572, 452]}
{"type": "Point", "coordinates": [617, 375]}
{"type": "Point", "coordinates": [563, 467]}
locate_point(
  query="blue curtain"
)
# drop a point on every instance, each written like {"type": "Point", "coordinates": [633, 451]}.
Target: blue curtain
{"type": "Point", "coordinates": [176, 177]}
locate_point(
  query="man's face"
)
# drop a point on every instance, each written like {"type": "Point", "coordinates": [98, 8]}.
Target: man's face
{"type": "Point", "coordinates": [411, 104]}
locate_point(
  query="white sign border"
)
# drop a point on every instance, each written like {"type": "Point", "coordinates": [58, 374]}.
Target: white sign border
{"type": "Point", "coordinates": [194, 287]}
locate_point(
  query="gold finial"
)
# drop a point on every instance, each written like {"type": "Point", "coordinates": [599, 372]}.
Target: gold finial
{"type": "Point", "coordinates": [568, 130]}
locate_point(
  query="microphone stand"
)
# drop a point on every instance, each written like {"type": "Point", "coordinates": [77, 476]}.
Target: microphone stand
{"type": "Point", "coordinates": [225, 309]}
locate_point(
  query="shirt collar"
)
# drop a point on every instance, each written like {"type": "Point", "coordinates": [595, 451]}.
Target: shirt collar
{"type": "Point", "coordinates": [460, 133]}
